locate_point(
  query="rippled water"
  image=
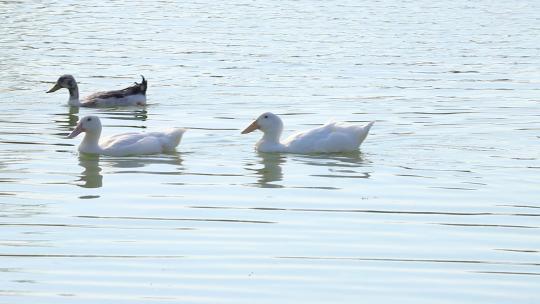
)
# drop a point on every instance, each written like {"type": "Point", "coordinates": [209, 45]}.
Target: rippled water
{"type": "Point", "coordinates": [441, 205]}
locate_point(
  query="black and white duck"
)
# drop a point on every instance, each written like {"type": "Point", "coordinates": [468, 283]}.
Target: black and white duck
{"type": "Point", "coordinates": [134, 95]}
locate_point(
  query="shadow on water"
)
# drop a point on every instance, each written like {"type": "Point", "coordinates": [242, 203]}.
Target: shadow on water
{"type": "Point", "coordinates": [91, 176]}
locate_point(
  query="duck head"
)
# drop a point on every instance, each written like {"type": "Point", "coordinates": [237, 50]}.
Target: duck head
{"type": "Point", "coordinates": [88, 124]}
{"type": "Point", "coordinates": [270, 124]}
{"type": "Point", "coordinates": [64, 81]}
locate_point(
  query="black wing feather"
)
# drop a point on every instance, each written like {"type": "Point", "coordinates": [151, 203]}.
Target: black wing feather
{"type": "Point", "coordinates": [137, 88]}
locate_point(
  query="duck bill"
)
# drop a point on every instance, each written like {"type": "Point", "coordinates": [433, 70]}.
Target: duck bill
{"type": "Point", "coordinates": [252, 127]}
{"type": "Point", "coordinates": [78, 130]}
{"type": "Point", "coordinates": [55, 88]}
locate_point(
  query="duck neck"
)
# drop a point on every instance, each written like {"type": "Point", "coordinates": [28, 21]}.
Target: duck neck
{"type": "Point", "coordinates": [74, 96]}
{"type": "Point", "coordinates": [90, 143]}
{"type": "Point", "coordinates": [270, 142]}
{"type": "Point", "coordinates": [271, 137]}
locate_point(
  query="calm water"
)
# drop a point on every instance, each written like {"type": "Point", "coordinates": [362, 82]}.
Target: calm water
{"type": "Point", "coordinates": [441, 205]}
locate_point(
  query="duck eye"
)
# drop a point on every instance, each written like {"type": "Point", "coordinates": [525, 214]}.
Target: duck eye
{"type": "Point", "coordinates": [265, 116]}
{"type": "Point", "coordinates": [89, 119]}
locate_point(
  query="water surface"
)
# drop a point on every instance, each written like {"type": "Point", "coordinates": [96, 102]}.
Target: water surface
{"type": "Point", "coordinates": [440, 205]}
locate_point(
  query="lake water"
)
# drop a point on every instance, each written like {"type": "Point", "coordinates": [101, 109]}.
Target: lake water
{"type": "Point", "coordinates": [441, 204]}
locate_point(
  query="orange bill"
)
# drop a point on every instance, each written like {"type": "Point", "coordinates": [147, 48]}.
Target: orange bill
{"type": "Point", "coordinates": [77, 131]}
{"type": "Point", "coordinates": [252, 127]}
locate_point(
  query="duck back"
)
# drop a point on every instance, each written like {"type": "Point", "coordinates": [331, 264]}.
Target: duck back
{"type": "Point", "coordinates": [332, 137]}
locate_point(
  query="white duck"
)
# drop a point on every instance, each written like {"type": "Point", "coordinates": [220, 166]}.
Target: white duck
{"type": "Point", "coordinates": [331, 137]}
{"type": "Point", "coordinates": [126, 143]}
{"type": "Point", "coordinates": [134, 95]}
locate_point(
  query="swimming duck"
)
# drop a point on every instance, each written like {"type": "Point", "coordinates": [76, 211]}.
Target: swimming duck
{"type": "Point", "coordinates": [134, 95]}
{"type": "Point", "coordinates": [126, 143]}
{"type": "Point", "coordinates": [329, 138]}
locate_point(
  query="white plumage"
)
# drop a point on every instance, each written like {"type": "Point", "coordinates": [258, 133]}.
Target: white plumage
{"type": "Point", "coordinates": [126, 143]}
{"type": "Point", "coordinates": [329, 138]}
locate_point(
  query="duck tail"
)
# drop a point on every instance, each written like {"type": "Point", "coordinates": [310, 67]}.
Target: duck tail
{"type": "Point", "coordinates": [175, 136]}
{"type": "Point", "coordinates": [364, 131]}
{"type": "Point", "coordinates": [142, 86]}
{"type": "Point", "coordinates": [368, 126]}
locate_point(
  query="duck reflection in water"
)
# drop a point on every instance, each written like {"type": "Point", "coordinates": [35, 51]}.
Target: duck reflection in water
{"type": "Point", "coordinates": [90, 176]}
{"type": "Point", "coordinates": [73, 118]}
{"type": "Point", "coordinates": [66, 121]}
{"type": "Point", "coordinates": [127, 114]}
{"type": "Point", "coordinates": [342, 159]}
{"type": "Point", "coordinates": [171, 158]}
{"type": "Point", "coordinates": [271, 171]}
{"type": "Point", "coordinates": [343, 165]}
